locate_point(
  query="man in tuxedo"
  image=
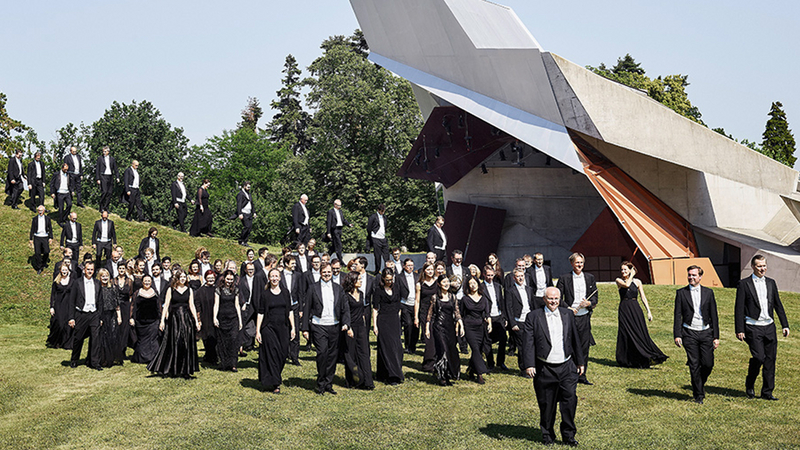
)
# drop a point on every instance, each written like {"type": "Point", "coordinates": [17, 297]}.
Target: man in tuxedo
{"type": "Point", "coordinates": [178, 191]}
{"type": "Point", "coordinates": [160, 284]}
{"type": "Point", "coordinates": [376, 237]}
{"type": "Point", "coordinates": [36, 179]}
{"type": "Point", "coordinates": [437, 240]}
{"type": "Point", "coordinates": [14, 179]}
{"type": "Point", "coordinates": [105, 172]}
{"type": "Point", "coordinates": [72, 234]}
{"type": "Point", "coordinates": [334, 223]}
{"type": "Point", "coordinates": [249, 297]}
{"type": "Point", "coordinates": [455, 268]}
{"type": "Point", "coordinates": [131, 182]}
{"type": "Point", "coordinates": [40, 238]}
{"type": "Point", "coordinates": [406, 281]}
{"type": "Point", "coordinates": [580, 296]}
{"type": "Point", "coordinates": [326, 314]}
{"type": "Point", "coordinates": [104, 237]}
{"type": "Point", "coordinates": [540, 274]}
{"type": "Point", "coordinates": [312, 275]}
{"type": "Point", "coordinates": [696, 329]}
{"type": "Point", "coordinates": [397, 263]}
{"type": "Point", "coordinates": [552, 358]}
{"type": "Point", "coordinates": [757, 300]}
{"type": "Point", "coordinates": [75, 164]}
{"type": "Point", "coordinates": [112, 265]}
{"type": "Point", "coordinates": [246, 212]}
{"type": "Point", "coordinates": [336, 268]}
{"type": "Point", "coordinates": [497, 311]}
{"type": "Point", "coordinates": [68, 259]}
{"type": "Point", "coordinates": [84, 317]}
{"type": "Point", "coordinates": [62, 196]}
{"type": "Point", "coordinates": [510, 279]}
{"type": "Point", "coordinates": [292, 282]}
{"type": "Point", "coordinates": [519, 302]}
{"type": "Point", "coordinates": [303, 261]}
{"type": "Point", "coordinates": [300, 218]}
{"type": "Point", "coordinates": [151, 241]}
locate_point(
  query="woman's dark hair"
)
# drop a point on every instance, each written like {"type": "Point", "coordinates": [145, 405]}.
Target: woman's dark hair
{"type": "Point", "coordinates": [385, 273]}
{"type": "Point", "coordinates": [349, 283]}
{"type": "Point", "coordinates": [150, 231]}
{"type": "Point", "coordinates": [225, 275]}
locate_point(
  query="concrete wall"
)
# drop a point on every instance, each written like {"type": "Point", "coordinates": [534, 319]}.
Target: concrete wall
{"type": "Point", "coordinates": [548, 209]}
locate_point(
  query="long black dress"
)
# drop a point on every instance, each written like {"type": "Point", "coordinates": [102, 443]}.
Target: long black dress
{"type": "Point", "coordinates": [426, 294]}
{"type": "Point", "coordinates": [357, 365]}
{"type": "Point", "coordinates": [443, 316]}
{"type": "Point", "coordinates": [204, 304]}
{"type": "Point", "coordinates": [110, 350]}
{"type": "Point", "coordinates": [146, 314]}
{"type": "Point", "coordinates": [201, 223]}
{"type": "Point", "coordinates": [634, 346]}
{"type": "Point", "coordinates": [275, 334]}
{"type": "Point", "coordinates": [228, 330]}
{"type": "Point", "coordinates": [177, 355]}
{"type": "Point", "coordinates": [125, 333]}
{"type": "Point", "coordinates": [60, 332]}
{"type": "Point", "coordinates": [474, 315]}
{"type": "Point", "coordinates": [390, 345]}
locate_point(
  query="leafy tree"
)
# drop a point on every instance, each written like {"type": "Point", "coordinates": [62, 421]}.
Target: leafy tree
{"type": "Point", "coordinates": [365, 122]}
{"type": "Point", "coordinates": [627, 64]}
{"type": "Point", "coordinates": [778, 142]}
{"type": "Point", "coordinates": [8, 128]}
{"type": "Point", "coordinates": [289, 124]}
{"type": "Point", "coordinates": [250, 114]}
{"type": "Point", "coordinates": [138, 131]}
{"type": "Point", "coordinates": [66, 137]}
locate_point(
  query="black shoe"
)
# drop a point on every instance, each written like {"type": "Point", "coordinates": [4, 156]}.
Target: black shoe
{"type": "Point", "coordinates": [751, 393]}
{"type": "Point", "coordinates": [769, 397]}
{"type": "Point", "coordinates": [15, 207]}
{"type": "Point", "coordinates": [585, 381]}
{"type": "Point", "coordinates": [73, 364]}
{"type": "Point", "coordinates": [330, 391]}
{"type": "Point", "coordinates": [503, 367]}
{"type": "Point", "coordinates": [98, 368]}
{"type": "Point", "coordinates": [38, 271]}
{"type": "Point", "coordinates": [548, 442]}
{"type": "Point", "coordinates": [698, 400]}
{"type": "Point", "coordinates": [319, 391]}
{"type": "Point", "coordinates": [481, 380]}
{"type": "Point", "coordinates": [296, 363]}
{"type": "Point", "coordinates": [571, 442]}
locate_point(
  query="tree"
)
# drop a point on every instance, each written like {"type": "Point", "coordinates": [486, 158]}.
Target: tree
{"type": "Point", "coordinates": [627, 64]}
{"type": "Point", "coordinates": [289, 124]}
{"type": "Point", "coordinates": [138, 131]}
{"type": "Point", "coordinates": [251, 113]}
{"type": "Point", "coordinates": [778, 142]}
{"type": "Point", "coordinates": [66, 137]}
{"type": "Point", "coordinates": [8, 128]}
{"type": "Point", "coordinates": [365, 122]}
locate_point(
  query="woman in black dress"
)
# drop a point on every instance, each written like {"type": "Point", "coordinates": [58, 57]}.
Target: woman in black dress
{"type": "Point", "coordinates": [145, 317]}
{"type": "Point", "coordinates": [177, 355]}
{"type": "Point", "coordinates": [202, 221]}
{"type": "Point", "coordinates": [426, 289]}
{"type": "Point", "coordinates": [60, 332]}
{"type": "Point", "coordinates": [110, 320]}
{"type": "Point", "coordinates": [140, 271]}
{"type": "Point", "coordinates": [494, 263]}
{"type": "Point", "coordinates": [228, 320]}
{"type": "Point", "coordinates": [274, 329]}
{"type": "Point", "coordinates": [193, 276]}
{"type": "Point", "coordinates": [357, 365]}
{"type": "Point", "coordinates": [443, 326]}
{"type": "Point", "coordinates": [204, 304]}
{"type": "Point", "coordinates": [386, 325]}
{"type": "Point", "coordinates": [124, 286]}
{"type": "Point", "coordinates": [634, 346]}
{"type": "Point", "coordinates": [474, 308]}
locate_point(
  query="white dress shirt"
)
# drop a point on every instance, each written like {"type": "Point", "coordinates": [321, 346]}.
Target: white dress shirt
{"type": "Point", "coordinates": [526, 307]}
{"type": "Point", "coordinates": [90, 303]}
{"type": "Point", "coordinates": [305, 211]}
{"type": "Point", "coordinates": [38, 165]}
{"type": "Point", "coordinates": [381, 233]}
{"type": "Point", "coordinates": [74, 228]}
{"type": "Point", "coordinates": [41, 228]}
{"type": "Point", "coordinates": [761, 291]}
{"type": "Point", "coordinates": [492, 294]}
{"type": "Point", "coordinates": [63, 185]}
{"type": "Point", "coordinates": [76, 164]}
{"type": "Point", "coordinates": [697, 317]}
{"type": "Point", "coordinates": [103, 231]}
{"type": "Point", "coordinates": [556, 329]}
{"type": "Point", "coordinates": [182, 197]}
{"type": "Point", "coordinates": [327, 317]}
{"type": "Point", "coordinates": [579, 289]}
{"type": "Point", "coordinates": [135, 182]}
{"type": "Point", "coordinates": [338, 214]}
{"type": "Point", "coordinates": [248, 207]}
{"type": "Point", "coordinates": [541, 281]}
{"type": "Point", "coordinates": [411, 298]}
{"type": "Point", "coordinates": [108, 165]}
{"type": "Point", "coordinates": [444, 238]}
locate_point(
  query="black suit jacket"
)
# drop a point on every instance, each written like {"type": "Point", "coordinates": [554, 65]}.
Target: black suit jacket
{"type": "Point", "coordinates": [373, 224]}
{"type": "Point", "coordinates": [145, 244]}
{"type": "Point", "coordinates": [313, 305]}
{"type": "Point", "coordinates": [747, 303]}
{"type": "Point", "coordinates": [241, 202]}
{"type": "Point", "coordinates": [127, 179]}
{"type": "Point", "coordinates": [298, 216]}
{"type": "Point", "coordinates": [66, 233]}
{"type": "Point", "coordinates": [295, 290]}
{"type": "Point", "coordinates": [401, 282]}
{"type": "Point", "coordinates": [536, 337]}
{"type": "Point", "coordinates": [514, 302]}
{"type": "Point", "coordinates": [501, 303]}
{"type": "Point", "coordinates": [330, 220]}
{"type": "Point", "coordinates": [15, 172]}
{"type": "Point", "coordinates": [163, 286]}
{"type": "Point", "coordinates": [568, 291]}
{"type": "Point", "coordinates": [71, 165]}
{"type": "Point", "coordinates": [78, 297]}
{"type": "Point", "coordinates": [298, 267]}
{"type": "Point", "coordinates": [100, 167]}
{"type": "Point", "coordinates": [97, 232]}
{"type": "Point", "coordinates": [74, 269]}
{"type": "Point", "coordinates": [684, 310]}
{"type": "Point", "coordinates": [32, 171]}
{"type": "Point", "coordinates": [55, 181]}
{"type": "Point", "coordinates": [47, 226]}
{"type": "Point", "coordinates": [548, 276]}
{"type": "Point", "coordinates": [175, 191]}
{"type": "Point", "coordinates": [434, 239]}
{"type": "Point", "coordinates": [244, 292]}
{"type": "Point", "coordinates": [509, 281]}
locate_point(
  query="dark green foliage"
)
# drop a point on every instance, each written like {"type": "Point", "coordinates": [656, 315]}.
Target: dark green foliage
{"type": "Point", "coordinates": [289, 124]}
{"type": "Point", "coordinates": [778, 142]}
{"type": "Point", "coordinates": [8, 128]}
{"type": "Point", "coordinates": [627, 64]}
{"type": "Point", "coordinates": [251, 113]}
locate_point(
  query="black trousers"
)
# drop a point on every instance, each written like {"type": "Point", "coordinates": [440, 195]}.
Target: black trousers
{"type": "Point", "coordinates": [304, 236]}
{"type": "Point", "coordinates": [64, 205]}
{"type": "Point", "coordinates": [516, 337]}
{"type": "Point", "coordinates": [37, 192]}
{"type": "Point", "coordinates": [410, 332]}
{"type": "Point", "coordinates": [75, 187]}
{"type": "Point", "coordinates": [247, 225]}
{"type": "Point", "coordinates": [41, 252]}
{"type": "Point", "coordinates": [87, 325]}
{"type": "Point", "coordinates": [180, 220]}
{"type": "Point", "coordinates": [380, 249]}
{"type": "Point", "coordinates": [326, 341]}
{"type": "Point", "coordinates": [294, 344]}
{"type": "Point", "coordinates": [76, 250]}
{"type": "Point", "coordinates": [440, 254]}
{"type": "Point", "coordinates": [103, 253]}
{"type": "Point", "coordinates": [134, 203]}
{"type": "Point", "coordinates": [763, 343]}
{"type": "Point", "coordinates": [106, 187]}
{"type": "Point", "coordinates": [498, 336]}
{"type": "Point", "coordinates": [699, 346]}
{"type": "Point", "coordinates": [16, 191]}
{"type": "Point", "coordinates": [584, 326]}
{"type": "Point", "coordinates": [555, 385]}
{"type": "Point", "coordinates": [336, 243]}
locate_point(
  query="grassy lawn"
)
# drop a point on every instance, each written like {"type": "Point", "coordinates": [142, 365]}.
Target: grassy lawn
{"type": "Point", "coordinates": [45, 404]}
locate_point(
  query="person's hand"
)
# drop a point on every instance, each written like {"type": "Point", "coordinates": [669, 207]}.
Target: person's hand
{"type": "Point", "coordinates": [349, 333]}
{"type": "Point", "coordinates": [129, 193]}
{"type": "Point", "coordinates": [244, 307]}
{"type": "Point", "coordinates": [416, 322]}
{"type": "Point", "coordinates": [291, 335]}
{"type": "Point", "coordinates": [716, 343]}
{"type": "Point", "coordinates": [489, 327]}
{"type": "Point", "coordinates": [202, 209]}
{"type": "Point", "coordinates": [574, 310]}
{"type": "Point", "coordinates": [132, 322]}
{"type": "Point", "coordinates": [98, 182]}
{"type": "Point", "coordinates": [515, 328]}
{"type": "Point", "coordinates": [30, 244]}
{"type": "Point", "coordinates": [241, 216]}
{"type": "Point", "coordinates": [119, 320]}
{"type": "Point", "coordinates": [740, 336]}
{"type": "Point", "coordinates": [177, 206]}
{"type": "Point", "coordinates": [351, 225]}
{"type": "Point", "coordinates": [258, 337]}
{"type": "Point", "coordinates": [427, 334]}
{"type": "Point", "coordinates": [101, 323]}
{"type": "Point", "coordinates": [297, 230]}
{"type": "Point", "coordinates": [300, 314]}
{"type": "Point", "coordinates": [240, 326]}
{"type": "Point", "coordinates": [71, 323]}
{"type": "Point", "coordinates": [13, 182]}
{"type": "Point", "coordinates": [52, 312]}
{"type": "Point", "coordinates": [161, 326]}
{"type": "Point", "coordinates": [305, 334]}
{"type": "Point", "coordinates": [375, 329]}
{"type": "Point", "coordinates": [94, 246]}
{"type": "Point", "coordinates": [531, 371]}
{"type": "Point", "coordinates": [50, 241]}
{"type": "Point", "coordinates": [679, 342]}
{"type": "Point", "coordinates": [785, 332]}
{"type": "Point", "coordinates": [580, 370]}
{"type": "Point", "coordinates": [53, 195]}
{"type": "Point", "coordinates": [585, 304]}
{"type": "Point", "coordinates": [329, 235]}
{"type": "Point", "coordinates": [649, 316]}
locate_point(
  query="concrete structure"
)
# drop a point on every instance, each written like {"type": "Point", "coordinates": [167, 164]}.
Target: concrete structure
{"type": "Point", "coordinates": [578, 162]}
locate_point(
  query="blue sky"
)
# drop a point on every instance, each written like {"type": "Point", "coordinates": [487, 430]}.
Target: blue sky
{"type": "Point", "coordinates": [198, 61]}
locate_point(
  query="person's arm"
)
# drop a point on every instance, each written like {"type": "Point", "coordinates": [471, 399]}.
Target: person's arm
{"type": "Point", "coordinates": [193, 309]}
{"type": "Point", "coordinates": [259, 319]}
{"type": "Point", "coordinates": [293, 332]}
{"type": "Point", "coordinates": [216, 309]}
{"type": "Point", "coordinates": [375, 319]}
{"type": "Point", "coordinates": [644, 298]}
{"type": "Point", "coordinates": [677, 322]}
{"type": "Point", "coordinates": [459, 322]}
{"type": "Point", "coordinates": [239, 315]}
{"type": "Point", "coordinates": [200, 198]}
{"type": "Point", "coordinates": [165, 309]}
{"type": "Point", "coordinates": [416, 305]}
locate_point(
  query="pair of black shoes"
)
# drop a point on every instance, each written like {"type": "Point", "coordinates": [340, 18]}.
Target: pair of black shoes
{"type": "Point", "coordinates": [571, 442]}
{"type": "Point", "coordinates": [328, 390]}
{"type": "Point", "coordinates": [751, 393]}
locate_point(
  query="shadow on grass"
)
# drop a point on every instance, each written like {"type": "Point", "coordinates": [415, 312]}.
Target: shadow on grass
{"type": "Point", "coordinates": [660, 393]}
{"type": "Point", "coordinates": [308, 384]}
{"type": "Point", "coordinates": [423, 377]}
{"type": "Point", "coordinates": [721, 391]}
{"type": "Point", "coordinates": [500, 431]}
{"type": "Point", "coordinates": [246, 364]}
{"type": "Point", "coordinates": [252, 383]}
{"type": "Point", "coordinates": [604, 362]}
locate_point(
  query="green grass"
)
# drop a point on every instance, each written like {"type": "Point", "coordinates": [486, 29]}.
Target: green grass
{"type": "Point", "coordinates": [45, 404]}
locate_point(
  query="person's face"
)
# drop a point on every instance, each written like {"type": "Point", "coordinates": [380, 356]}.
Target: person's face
{"type": "Point", "coordinates": [440, 223]}
{"type": "Point", "coordinates": [251, 270]}
{"type": "Point", "coordinates": [357, 266]}
{"type": "Point", "coordinates": [218, 266]}
{"type": "Point", "coordinates": [519, 277]}
{"type": "Point", "coordinates": [315, 263]}
{"type": "Point", "coordinates": [312, 243]}
{"type": "Point", "coordinates": [72, 150]}
{"type": "Point", "coordinates": [291, 265]}
{"type": "Point", "coordinates": [180, 177]}
{"type": "Point", "coordinates": [492, 260]}
{"type": "Point", "coordinates": [147, 282]}
{"type": "Point", "coordinates": [88, 271]}
{"type": "Point", "coordinates": [440, 271]}
{"type": "Point", "coordinates": [105, 216]}
{"type": "Point", "coordinates": [40, 210]}
{"type": "Point", "coordinates": [205, 259]}
{"type": "Point", "coordinates": [194, 268]}
{"type": "Point", "coordinates": [37, 156]}
{"type": "Point", "coordinates": [167, 264]}
{"type": "Point", "coordinates": [444, 284]}
{"type": "Point", "coordinates": [388, 280]}
{"type": "Point", "coordinates": [474, 272]}
{"type": "Point", "coordinates": [104, 278]}
{"type": "Point", "coordinates": [520, 264]}
{"type": "Point", "coordinates": [538, 260]}
{"type": "Point", "coordinates": [528, 262]}
{"type": "Point", "coordinates": [211, 278]}
{"type": "Point", "coordinates": [274, 278]}
{"type": "Point", "coordinates": [231, 266]}
{"type": "Point", "coordinates": [67, 253]}
{"type": "Point", "coordinates": [430, 258]}
{"type": "Point", "coordinates": [358, 283]}
{"type": "Point", "coordinates": [326, 274]}
{"type": "Point", "coordinates": [577, 265]}
{"type": "Point", "coordinates": [325, 258]}
{"type": "Point", "coordinates": [135, 165]}
{"type": "Point", "coordinates": [105, 152]}
{"type": "Point", "coordinates": [121, 252]}
{"type": "Point", "coordinates": [154, 234]}
{"type": "Point", "coordinates": [489, 276]}
{"type": "Point", "coordinates": [409, 266]}
{"type": "Point", "coordinates": [694, 277]}
{"type": "Point", "coordinates": [396, 255]}
{"type": "Point", "coordinates": [429, 271]}
{"type": "Point", "coordinates": [64, 270]}
{"type": "Point", "coordinates": [760, 267]}
{"type": "Point", "coordinates": [246, 187]}
{"type": "Point", "coordinates": [122, 270]}
{"type": "Point", "coordinates": [625, 271]}
{"type": "Point", "coordinates": [182, 279]}
{"type": "Point", "coordinates": [336, 269]}
{"type": "Point", "coordinates": [64, 168]}
{"type": "Point", "coordinates": [457, 259]}
{"type": "Point", "coordinates": [304, 199]}
{"type": "Point", "coordinates": [473, 285]}
{"type": "Point", "coordinates": [156, 271]}
{"type": "Point", "coordinates": [141, 266]}
{"type": "Point", "coordinates": [552, 299]}
{"type": "Point", "coordinates": [229, 279]}
{"type": "Point", "coordinates": [251, 255]}
{"type": "Point", "coordinates": [148, 256]}
{"type": "Point", "coordinates": [301, 249]}
{"type": "Point", "coordinates": [337, 204]}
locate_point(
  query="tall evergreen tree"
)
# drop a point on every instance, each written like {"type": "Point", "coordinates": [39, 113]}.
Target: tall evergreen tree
{"type": "Point", "coordinates": [289, 124]}
{"type": "Point", "coordinates": [251, 114]}
{"type": "Point", "coordinates": [778, 142]}
{"type": "Point", "coordinates": [8, 128]}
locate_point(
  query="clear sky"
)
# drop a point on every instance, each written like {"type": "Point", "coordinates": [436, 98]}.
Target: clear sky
{"type": "Point", "coordinates": [198, 61]}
